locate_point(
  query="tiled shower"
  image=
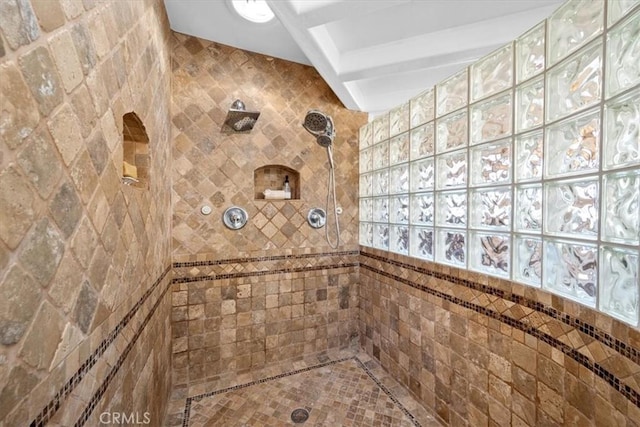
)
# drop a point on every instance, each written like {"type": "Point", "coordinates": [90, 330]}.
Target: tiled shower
{"type": "Point", "coordinates": [487, 265]}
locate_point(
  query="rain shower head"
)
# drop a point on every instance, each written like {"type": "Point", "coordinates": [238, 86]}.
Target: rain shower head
{"type": "Point", "coordinates": [321, 126]}
{"type": "Point", "coordinates": [239, 119]}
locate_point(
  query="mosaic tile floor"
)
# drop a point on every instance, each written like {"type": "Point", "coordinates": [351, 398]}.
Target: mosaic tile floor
{"type": "Point", "coordinates": [341, 388]}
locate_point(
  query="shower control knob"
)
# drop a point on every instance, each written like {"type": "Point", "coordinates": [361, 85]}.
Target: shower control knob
{"type": "Point", "coordinates": [316, 217]}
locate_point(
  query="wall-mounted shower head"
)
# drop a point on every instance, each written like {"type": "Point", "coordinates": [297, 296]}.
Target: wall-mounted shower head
{"type": "Point", "coordinates": [316, 122]}
{"type": "Point", "coordinates": [239, 119]}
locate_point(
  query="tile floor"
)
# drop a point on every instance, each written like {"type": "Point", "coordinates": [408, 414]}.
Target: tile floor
{"type": "Point", "coordinates": [337, 388]}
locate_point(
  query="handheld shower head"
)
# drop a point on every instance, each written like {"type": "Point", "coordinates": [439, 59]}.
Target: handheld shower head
{"type": "Point", "coordinates": [324, 140]}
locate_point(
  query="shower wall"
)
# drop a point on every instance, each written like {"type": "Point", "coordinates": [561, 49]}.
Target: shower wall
{"type": "Point", "coordinates": [274, 289]}
{"type": "Point", "coordinates": [84, 312]}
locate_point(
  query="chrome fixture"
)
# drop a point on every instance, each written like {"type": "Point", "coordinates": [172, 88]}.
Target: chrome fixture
{"type": "Point", "coordinates": [317, 217]}
{"type": "Point", "coordinates": [321, 126]}
{"type": "Point", "coordinates": [239, 119]}
{"type": "Point", "coordinates": [235, 218]}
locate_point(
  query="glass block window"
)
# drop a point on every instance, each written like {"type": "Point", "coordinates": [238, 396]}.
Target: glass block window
{"type": "Point", "coordinates": [525, 165]}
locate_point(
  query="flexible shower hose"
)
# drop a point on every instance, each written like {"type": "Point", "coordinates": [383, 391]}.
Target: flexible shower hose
{"type": "Point", "coordinates": [331, 194]}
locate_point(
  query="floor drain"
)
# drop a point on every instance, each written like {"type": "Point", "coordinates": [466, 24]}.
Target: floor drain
{"type": "Point", "coordinates": [299, 415]}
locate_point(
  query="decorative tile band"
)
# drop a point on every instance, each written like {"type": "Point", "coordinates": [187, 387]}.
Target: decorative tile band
{"type": "Point", "coordinates": [632, 395]}
{"type": "Point", "coordinates": [263, 273]}
{"type": "Point", "coordinates": [623, 348]}
{"type": "Point", "coordinates": [197, 398]}
{"type": "Point", "coordinates": [52, 407]}
{"type": "Point", "coordinates": [260, 259]}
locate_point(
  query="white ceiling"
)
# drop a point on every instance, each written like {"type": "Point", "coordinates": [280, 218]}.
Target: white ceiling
{"type": "Point", "coordinates": [374, 54]}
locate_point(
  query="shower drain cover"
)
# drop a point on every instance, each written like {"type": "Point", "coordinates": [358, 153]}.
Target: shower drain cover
{"type": "Point", "coordinates": [299, 415]}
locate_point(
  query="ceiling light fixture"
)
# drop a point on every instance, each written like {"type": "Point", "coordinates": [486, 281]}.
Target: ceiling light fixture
{"type": "Point", "coordinates": [253, 10]}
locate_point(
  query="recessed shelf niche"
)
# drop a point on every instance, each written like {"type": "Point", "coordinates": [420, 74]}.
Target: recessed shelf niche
{"type": "Point", "coordinates": [272, 177]}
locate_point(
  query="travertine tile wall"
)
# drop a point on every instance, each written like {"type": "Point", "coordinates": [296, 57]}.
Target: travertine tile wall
{"type": "Point", "coordinates": [273, 290]}
{"type": "Point", "coordinates": [215, 167]}
{"type": "Point", "coordinates": [483, 351]}
{"type": "Point", "coordinates": [83, 258]}
{"type": "Point", "coordinates": [239, 315]}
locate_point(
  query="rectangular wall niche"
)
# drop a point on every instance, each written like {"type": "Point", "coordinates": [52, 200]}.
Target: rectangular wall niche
{"type": "Point", "coordinates": [525, 165]}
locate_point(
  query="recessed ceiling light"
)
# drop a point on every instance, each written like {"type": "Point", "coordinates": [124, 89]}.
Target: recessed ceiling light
{"type": "Point", "coordinates": [253, 10]}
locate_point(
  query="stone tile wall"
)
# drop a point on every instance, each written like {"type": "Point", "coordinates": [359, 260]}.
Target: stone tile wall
{"type": "Point", "coordinates": [83, 259]}
{"type": "Point", "coordinates": [214, 166]}
{"type": "Point", "coordinates": [482, 351]}
{"type": "Point", "coordinates": [238, 315]}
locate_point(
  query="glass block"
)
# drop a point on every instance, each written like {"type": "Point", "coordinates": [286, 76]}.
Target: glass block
{"type": "Point", "coordinates": [572, 146]}
{"type": "Point", "coordinates": [421, 108]}
{"type": "Point", "coordinates": [530, 105]}
{"type": "Point", "coordinates": [399, 179]}
{"type": "Point", "coordinates": [491, 119]}
{"type": "Point", "coordinates": [399, 119]}
{"type": "Point", "coordinates": [571, 270]}
{"type": "Point", "coordinates": [619, 8]}
{"type": "Point", "coordinates": [366, 135]}
{"type": "Point", "coordinates": [575, 84]}
{"type": "Point", "coordinates": [491, 163]}
{"type": "Point", "coordinates": [451, 131]}
{"type": "Point", "coordinates": [381, 128]}
{"type": "Point", "coordinates": [621, 207]}
{"type": "Point", "coordinates": [571, 208]}
{"type": "Point", "coordinates": [623, 50]}
{"type": "Point", "coordinates": [452, 209]}
{"type": "Point", "coordinates": [452, 93]}
{"type": "Point", "coordinates": [380, 182]}
{"type": "Point", "coordinates": [493, 73]}
{"type": "Point", "coordinates": [530, 53]}
{"type": "Point", "coordinates": [622, 131]}
{"type": "Point", "coordinates": [399, 239]}
{"type": "Point", "coordinates": [381, 209]}
{"type": "Point", "coordinates": [422, 175]}
{"type": "Point", "coordinates": [619, 283]}
{"type": "Point", "coordinates": [491, 208]}
{"type": "Point", "coordinates": [366, 209]}
{"type": "Point", "coordinates": [528, 156]}
{"type": "Point", "coordinates": [422, 141]}
{"type": "Point", "coordinates": [381, 236]}
{"type": "Point", "coordinates": [399, 209]}
{"type": "Point", "coordinates": [366, 234]}
{"type": "Point", "coordinates": [422, 208]}
{"type": "Point", "coordinates": [399, 149]}
{"type": "Point", "coordinates": [366, 184]}
{"type": "Point", "coordinates": [451, 247]}
{"type": "Point", "coordinates": [366, 160]}
{"type": "Point", "coordinates": [381, 155]}
{"type": "Point", "coordinates": [452, 170]}
{"type": "Point", "coordinates": [572, 25]}
{"type": "Point", "coordinates": [421, 242]}
{"type": "Point", "coordinates": [489, 253]}
{"type": "Point", "coordinates": [528, 208]}
{"type": "Point", "coordinates": [527, 260]}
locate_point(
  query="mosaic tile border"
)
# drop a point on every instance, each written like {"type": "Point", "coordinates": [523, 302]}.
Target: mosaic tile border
{"type": "Point", "coordinates": [197, 398]}
{"type": "Point", "coordinates": [54, 404]}
{"type": "Point", "coordinates": [629, 393]}
{"type": "Point", "coordinates": [263, 273]}
{"type": "Point", "coordinates": [259, 259]}
{"type": "Point", "coordinates": [594, 332]}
